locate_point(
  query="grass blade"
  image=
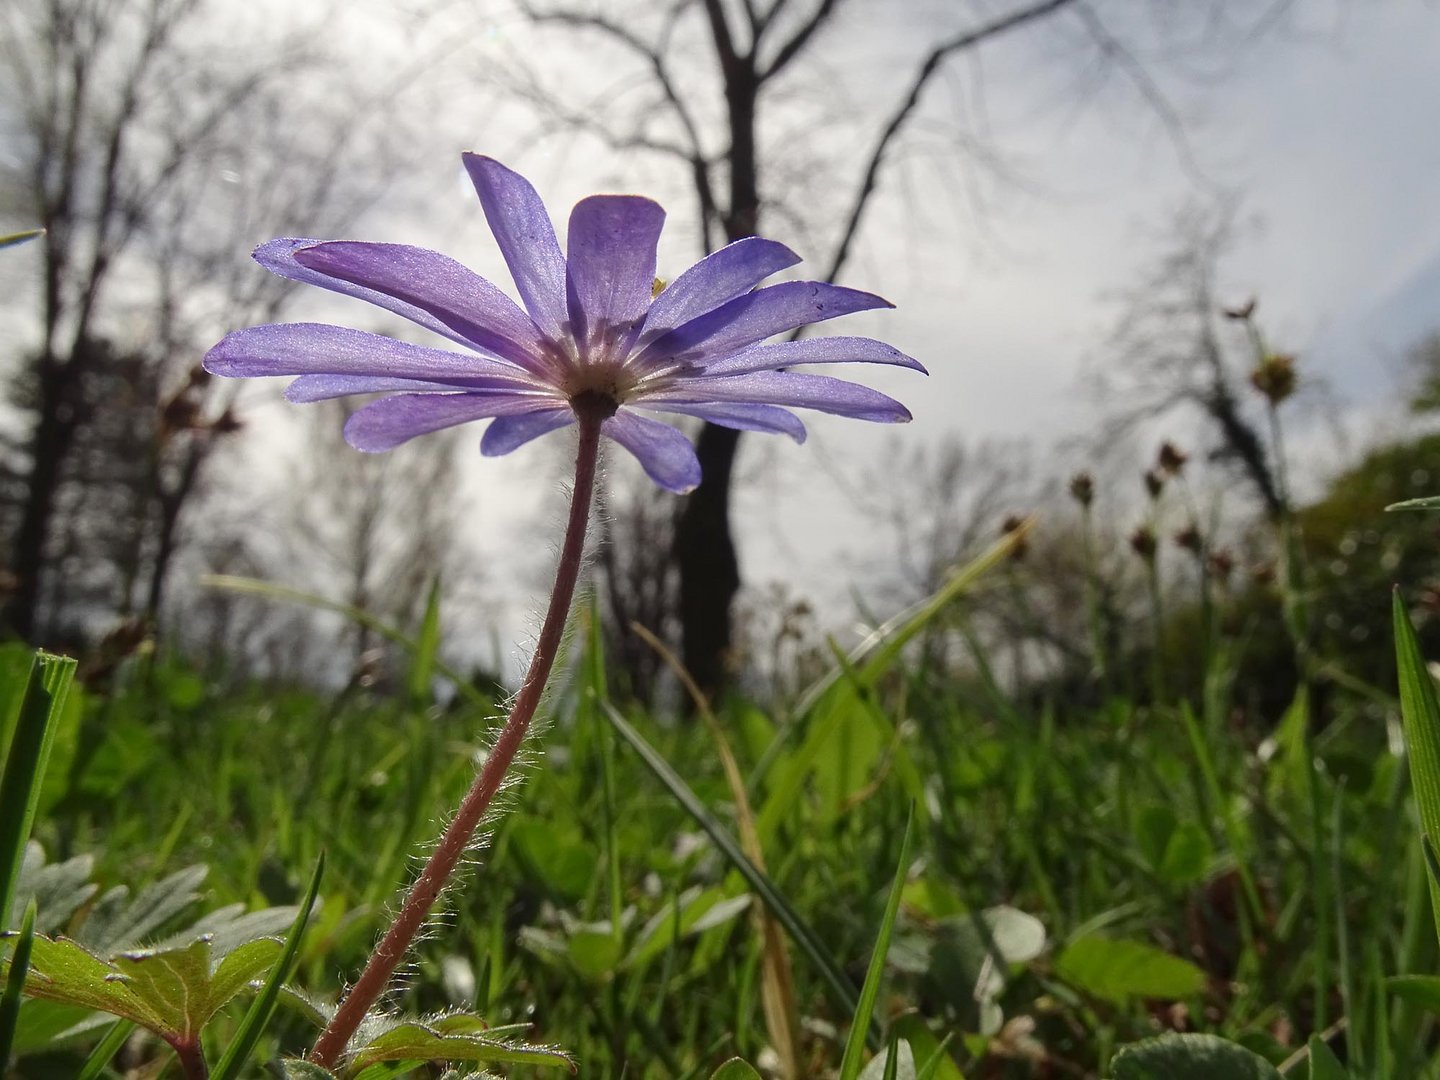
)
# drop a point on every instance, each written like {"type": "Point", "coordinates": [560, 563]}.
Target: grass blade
{"type": "Point", "coordinates": [11, 239]}
{"type": "Point", "coordinates": [842, 991]}
{"type": "Point", "coordinates": [45, 691]}
{"type": "Point", "coordinates": [1421, 713]}
{"type": "Point", "coordinates": [851, 1063]}
{"type": "Point", "coordinates": [105, 1050]}
{"type": "Point", "coordinates": [14, 983]}
{"type": "Point", "coordinates": [257, 1017]}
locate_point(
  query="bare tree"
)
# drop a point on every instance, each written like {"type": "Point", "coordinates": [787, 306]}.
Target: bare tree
{"type": "Point", "coordinates": [1175, 349]}
{"type": "Point", "coordinates": [140, 154]}
{"type": "Point", "coordinates": [704, 114]}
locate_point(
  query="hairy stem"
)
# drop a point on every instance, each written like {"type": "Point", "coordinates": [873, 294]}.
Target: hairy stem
{"type": "Point", "coordinates": [420, 901]}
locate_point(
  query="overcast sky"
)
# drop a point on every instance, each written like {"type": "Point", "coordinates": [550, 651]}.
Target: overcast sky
{"type": "Point", "coordinates": [1326, 131]}
{"type": "Point", "coordinates": [1005, 278]}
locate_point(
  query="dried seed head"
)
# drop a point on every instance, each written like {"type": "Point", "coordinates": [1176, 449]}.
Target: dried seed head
{"type": "Point", "coordinates": [1189, 538]}
{"type": "Point", "coordinates": [1263, 573]}
{"type": "Point", "coordinates": [1082, 488]}
{"type": "Point", "coordinates": [1013, 523]}
{"type": "Point", "coordinates": [1154, 482]}
{"type": "Point", "coordinates": [1241, 313]}
{"type": "Point", "coordinates": [1221, 565]}
{"type": "Point", "coordinates": [1143, 543]}
{"type": "Point", "coordinates": [1171, 459]}
{"type": "Point", "coordinates": [1274, 377]}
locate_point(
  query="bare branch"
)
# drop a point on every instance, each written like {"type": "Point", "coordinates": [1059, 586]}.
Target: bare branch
{"type": "Point", "coordinates": [931, 64]}
{"type": "Point", "coordinates": [796, 45]}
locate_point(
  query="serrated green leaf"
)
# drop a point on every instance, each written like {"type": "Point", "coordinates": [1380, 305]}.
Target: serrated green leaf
{"type": "Point", "coordinates": [114, 924]}
{"type": "Point", "coordinates": [257, 1017]}
{"type": "Point", "coordinates": [1421, 712]}
{"type": "Point", "coordinates": [1190, 1057]}
{"type": "Point", "coordinates": [735, 1069]}
{"type": "Point", "coordinates": [172, 992]}
{"type": "Point", "coordinates": [59, 889]}
{"type": "Point", "coordinates": [296, 1069]}
{"type": "Point", "coordinates": [1118, 971]}
{"type": "Point", "coordinates": [442, 1041]}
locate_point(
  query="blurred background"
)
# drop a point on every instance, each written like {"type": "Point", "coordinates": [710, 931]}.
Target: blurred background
{"type": "Point", "coordinates": [1095, 218]}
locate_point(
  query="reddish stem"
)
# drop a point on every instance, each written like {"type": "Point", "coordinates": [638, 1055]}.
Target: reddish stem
{"type": "Point", "coordinates": [192, 1060]}
{"type": "Point", "coordinates": [432, 880]}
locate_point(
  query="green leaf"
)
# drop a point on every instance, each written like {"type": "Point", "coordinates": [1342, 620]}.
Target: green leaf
{"type": "Point", "coordinates": [106, 1049]}
{"type": "Point", "coordinates": [1430, 503]}
{"type": "Point", "coordinates": [296, 1069]}
{"type": "Point", "coordinates": [870, 992]}
{"type": "Point", "coordinates": [11, 239]}
{"type": "Point", "coordinates": [427, 647]}
{"type": "Point", "coordinates": [172, 992]}
{"type": "Point", "coordinates": [556, 858]}
{"type": "Point", "coordinates": [114, 924]}
{"type": "Point", "coordinates": [257, 1017]}
{"type": "Point", "coordinates": [735, 1069]}
{"type": "Point", "coordinates": [58, 889]}
{"type": "Point", "coordinates": [25, 762]}
{"type": "Point", "coordinates": [19, 967]}
{"type": "Point", "coordinates": [1421, 712]}
{"type": "Point", "coordinates": [1190, 1057]}
{"type": "Point", "coordinates": [694, 912]}
{"type": "Point", "coordinates": [453, 1038]}
{"type": "Point", "coordinates": [1117, 971]}
{"type": "Point", "coordinates": [841, 990]}
{"type": "Point", "coordinates": [1324, 1065]}
{"type": "Point", "coordinates": [1422, 990]}
{"type": "Point", "coordinates": [881, 1066]}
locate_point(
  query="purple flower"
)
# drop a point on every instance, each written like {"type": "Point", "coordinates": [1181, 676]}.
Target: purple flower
{"type": "Point", "coordinates": [592, 334]}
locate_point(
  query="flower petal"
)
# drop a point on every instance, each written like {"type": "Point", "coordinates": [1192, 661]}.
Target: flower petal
{"type": "Point", "coordinates": [610, 268]}
{"type": "Point", "coordinates": [716, 279]}
{"type": "Point", "coordinates": [385, 424]}
{"type": "Point", "coordinates": [666, 454]}
{"type": "Point", "coordinates": [311, 388]}
{"type": "Point", "coordinates": [506, 433]}
{"type": "Point", "coordinates": [526, 238]}
{"type": "Point", "coordinates": [755, 316]}
{"type": "Point", "coordinates": [278, 256]}
{"type": "Point", "coordinates": [320, 349]}
{"type": "Point", "coordinates": [818, 392]}
{"type": "Point", "coordinates": [831, 350]}
{"type": "Point", "coordinates": [740, 415]}
{"type": "Point", "coordinates": [455, 295]}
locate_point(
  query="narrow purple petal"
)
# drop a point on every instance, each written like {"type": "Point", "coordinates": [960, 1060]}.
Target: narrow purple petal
{"type": "Point", "coordinates": [740, 415]}
{"type": "Point", "coordinates": [320, 349]}
{"type": "Point", "coordinates": [831, 350]}
{"type": "Point", "coordinates": [311, 388]}
{"type": "Point", "coordinates": [455, 295]}
{"type": "Point", "coordinates": [526, 238]}
{"type": "Point", "coordinates": [754, 317]}
{"type": "Point", "coordinates": [716, 279]}
{"type": "Point", "coordinates": [818, 392]}
{"type": "Point", "coordinates": [610, 269]}
{"type": "Point", "coordinates": [278, 256]}
{"type": "Point", "coordinates": [506, 433]}
{"type": "Point", "coordinates": [385, 424]}
{"type": "Point", "coordinates": [666, 454]}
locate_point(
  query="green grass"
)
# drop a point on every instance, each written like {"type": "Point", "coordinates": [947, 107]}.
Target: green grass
{"type": "Point", "coordinates": [1087, 871]}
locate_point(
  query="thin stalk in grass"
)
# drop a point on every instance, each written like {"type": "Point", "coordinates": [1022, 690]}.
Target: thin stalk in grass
{"type": "Point", "coordinates": [426, 890]}
{"type": "Point", "coordinates": [1092, 598]}
{"type": "Point", "coordinates": [15, 983]}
